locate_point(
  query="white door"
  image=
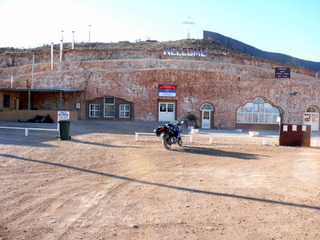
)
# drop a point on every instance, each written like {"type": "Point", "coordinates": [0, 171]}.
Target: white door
{"type": "Point", "coordinates": [166, 111]}
{"type": "Point", "coordinates": [206, 118]}
{"type": "Point", "coordinates": [310, 118]}
{"type": "Point", "coordinates": [206, 110]}
{"type": "Point", "coordinates": [16, 104]}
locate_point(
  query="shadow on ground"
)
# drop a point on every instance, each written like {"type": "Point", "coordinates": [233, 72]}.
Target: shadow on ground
{"type": "Point", "coordinates": [179, 188]}
{"type": "Point", "coordinates": [217, 153]}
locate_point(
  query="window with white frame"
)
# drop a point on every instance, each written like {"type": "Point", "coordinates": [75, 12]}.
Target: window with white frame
{"type": "Point", "coordinates": [258, 112]}
{"type": "Point", "coordinates": [124, 111]}
{"type": "Point", "coordinates": [109, 107]}
{"type": "Point", "coordinates": [94, 110]}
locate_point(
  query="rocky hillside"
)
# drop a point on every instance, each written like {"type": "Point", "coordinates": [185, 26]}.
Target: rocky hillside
{"type": "Point", "coordinates": [11, 57]}
{"type": "Point", "coordinates": [212, 47]}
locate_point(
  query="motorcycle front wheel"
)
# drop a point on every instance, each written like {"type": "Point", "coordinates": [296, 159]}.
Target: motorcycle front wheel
{"type": "Point", "coordinates": [165, 142]}
{"type": "Point", "coordinates": [180, 141]}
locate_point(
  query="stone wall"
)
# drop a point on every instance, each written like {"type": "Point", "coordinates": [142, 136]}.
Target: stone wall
{"type": "Point", "coordinates": [227, 81]}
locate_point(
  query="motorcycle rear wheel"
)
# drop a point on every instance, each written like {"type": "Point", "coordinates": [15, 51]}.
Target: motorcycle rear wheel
{"type": "Point", "coordinates": [165, 142]}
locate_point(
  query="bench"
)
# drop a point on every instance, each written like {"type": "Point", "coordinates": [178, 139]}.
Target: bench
{"type": "Point", "coordinates": [264, 140]}
{"type": "Point", "coordinates": [26, 129]}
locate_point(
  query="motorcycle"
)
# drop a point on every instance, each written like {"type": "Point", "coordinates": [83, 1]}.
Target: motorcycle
{"type": "Point", "coordinates": [169, 133]}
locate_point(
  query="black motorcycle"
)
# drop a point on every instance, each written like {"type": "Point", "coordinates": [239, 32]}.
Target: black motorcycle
{"type": "Point", "coordinates": [169, 133]}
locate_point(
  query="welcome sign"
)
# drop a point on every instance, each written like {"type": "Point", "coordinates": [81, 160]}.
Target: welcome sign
{"type": "Point", "coordinates": [192, 52]}
{"type": "Point", "coordinates": [167, 90]}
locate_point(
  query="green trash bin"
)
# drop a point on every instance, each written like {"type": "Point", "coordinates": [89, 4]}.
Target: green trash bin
{"type": "Point", "coordinates": [64, 128]}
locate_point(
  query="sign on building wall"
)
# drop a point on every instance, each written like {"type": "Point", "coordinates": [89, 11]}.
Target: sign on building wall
{"type": "Point", "coordinates": [282, 72]}
{"type": "Point", "coordinates": [192, 52]}
{"type": "Point", "coordinates": [167, 90]}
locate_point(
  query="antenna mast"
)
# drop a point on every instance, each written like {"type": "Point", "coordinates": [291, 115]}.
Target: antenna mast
{"type": "Point", "coordinates": [189, 23]}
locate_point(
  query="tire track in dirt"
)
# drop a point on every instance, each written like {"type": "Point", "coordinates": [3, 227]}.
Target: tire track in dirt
{"type": "Point", "coordinates": [100, 188]}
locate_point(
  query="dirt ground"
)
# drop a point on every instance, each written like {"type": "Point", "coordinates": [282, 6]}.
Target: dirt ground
{"type": "Point", "coordinates": [102, 184]}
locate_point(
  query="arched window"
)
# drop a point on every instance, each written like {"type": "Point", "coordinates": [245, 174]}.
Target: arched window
{"type": "Point", "coordinates": [258, 112]}
{"type": "Point", "coordinates": [206, 107]}
{"type": "Point", "coordinates": [312, 109]}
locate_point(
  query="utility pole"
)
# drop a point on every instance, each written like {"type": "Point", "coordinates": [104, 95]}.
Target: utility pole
{"type": "Point", "coordinates": [52, 56]}
{"type": "Point", "coordinates": [189, 23]}
{"type": "Point", "coordinates": [61, 49]}
{"type": "Point", "coordinates": [32, 74]}
{"type": "Point", "coordinates": [89, 33]}
{"type": "Point", "coordinates": [72, 39]}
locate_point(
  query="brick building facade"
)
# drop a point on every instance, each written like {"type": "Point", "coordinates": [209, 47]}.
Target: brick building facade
{"type": "Point", "coordinates": [223, 89]}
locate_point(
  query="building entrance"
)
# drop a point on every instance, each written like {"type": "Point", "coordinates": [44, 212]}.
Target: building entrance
{"type": "Point", "coordinates": [167, 111]}
{"type": "Point", "coordinates": [206, 110]}
{"type": "Point", "coordinates": [311, 117]}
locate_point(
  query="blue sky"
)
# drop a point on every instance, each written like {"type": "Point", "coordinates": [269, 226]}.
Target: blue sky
{"type": "Point", "coordinates": [284, 26]}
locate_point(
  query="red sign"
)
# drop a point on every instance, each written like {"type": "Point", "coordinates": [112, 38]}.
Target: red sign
{"type": "Point", "coordinates": [167, 90]}
{"type": "Point", "coordinates": [167, 87]}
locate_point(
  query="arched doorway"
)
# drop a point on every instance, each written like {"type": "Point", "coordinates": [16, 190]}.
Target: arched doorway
{"type": "Point", "coordinates": [311, 117]}
{"type": "Point", "coordinates": [206, 115]}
